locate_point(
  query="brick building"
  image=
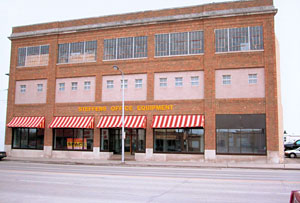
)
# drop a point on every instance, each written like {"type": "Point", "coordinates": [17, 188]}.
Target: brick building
{"type": "Point", "coordinates": [201, 83]}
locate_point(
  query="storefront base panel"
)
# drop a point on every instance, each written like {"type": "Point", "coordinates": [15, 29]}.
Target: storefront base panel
{"type": "Point", "coordinates": [23, 152]}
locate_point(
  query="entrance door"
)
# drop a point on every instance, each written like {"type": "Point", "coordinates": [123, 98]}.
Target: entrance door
{"type": "Point", "coordinates": [130, 141]}
{"type": "Point", "coordinates": [115, 142]}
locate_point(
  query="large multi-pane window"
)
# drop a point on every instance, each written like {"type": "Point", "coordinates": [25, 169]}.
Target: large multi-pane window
{"type": "Point", "coordinates": [73, 139]}
{"type": "Point", "coordinates": [239, 39]}
{"type": "Point", "coordinates": [28, 138]}
{"type": "Point", "coordinates": [33, 56]}
{"type": "Point", "coordinates": [179, 140]}
{"type": "Point", "coordinates": [125, 48]}
{"type": "Point", "coordinates": [77, 52]}
{"type": "Point", "coordinates": [182, 43]}
{"type": "Point", "coordinates": [241, 134]}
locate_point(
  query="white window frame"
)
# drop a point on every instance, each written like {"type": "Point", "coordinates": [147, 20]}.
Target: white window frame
{"type": "Point", "coordinates": [39, 87]}
{"type": "Point", "coordinates": [178, 81]}
{"type": "Point", "coordinates": [61, 86]}
{"type": "Point", "coordinates": [87, 85]}
{"type": "Point", "coordinates": [74, 86]}
{"type": "Point", "coordinates": [125, 84]}
{"type": "Point", "coordinates": [109, 84]}
{"type": "Point", "coordinates": [163, 82]}
{"type": "Point", "coordinates": [195, 81]}
{"type": "Point", "coordinates": [138, 83]}
{"type": "Point", "coordinates": [226, 79]}
{"type": "Point", "coordinates": [252, 78]}
{"type": "Point", "coordinates": [22, 88]}
{"type": "Point", "coordinates": [26, 55]}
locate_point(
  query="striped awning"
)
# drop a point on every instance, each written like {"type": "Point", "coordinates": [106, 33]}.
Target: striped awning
{"type": "Point", "coordinates": [116, 122]}
{"type": "Point", "coordinates": [178, 121]}
{"type": "Point", "coordinates": [72, 122]}
{"type": "Point", "coordinates": [27, 122]}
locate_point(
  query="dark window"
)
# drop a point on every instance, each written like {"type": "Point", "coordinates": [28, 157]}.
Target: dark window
{"type": "Point", "coordinates": [73, 139]}
{"type": "Point", "coordinates": [28, 138]}
{"type": "Point", "coordinates": [188, 140]}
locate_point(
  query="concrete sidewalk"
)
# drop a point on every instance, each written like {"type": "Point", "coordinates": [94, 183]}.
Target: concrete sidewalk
{"type": "Point", "coordinates": [285, 166]}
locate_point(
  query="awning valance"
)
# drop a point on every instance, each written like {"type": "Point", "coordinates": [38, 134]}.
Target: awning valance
{"type": "Point", "coordinates": [116, 122]}
{"type": "Point", "coordinates": [72, 122]}
{"type": "Point", "coordinates": [178, 121]}
{"type": "Point", "coordinates": [27, 122]}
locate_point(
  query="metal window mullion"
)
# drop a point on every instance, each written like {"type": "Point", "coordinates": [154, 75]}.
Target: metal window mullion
{"type": "Point", "coordinates": [133, 44]}
{"type": "Point", "coordinates": [117, 43]}
{"type": "Point", "coordinates": [249, 41]}
{"type": "Point", "coordinates": [40, 52]}
{"type": "Point", "coordinates": [169, 35]}
{"type": "Point", "coordinates": [84, 46]}
{"type": "Point", "coordinates": [188, 42]}
{"type": "Point", "coordinates": [228, 48]}
{"type": "Point", "coordinates": [69, 44]}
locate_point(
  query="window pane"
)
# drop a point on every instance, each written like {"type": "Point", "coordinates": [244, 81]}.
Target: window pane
{"type": "Point", "coordinates": [88, 135]}
{"type": "Point", "coordinates": [226, 79]}
{"type": "Point", "coordinates": [45, 49]}
{"type": "Point", "coordinates": [87, 85]}
{"type": "Point", "coordinates": [63, 53]}
{"type": "Point", "coordinates": [76, 52]}
{"type": "Point", "coordinates": [256, 38]}
{"type": "Point", "coordinates": [33, 50]}
{"type": "Point", "coordinates": [40, 139]}
{"type": "Point", "coordinates": [24, 138]}
{"type": "Point", "coordinates": [90, 50]}
{"type": "Point", "coordinates": [252, 78]}
{"type": "Point", "coordinates": [63, 139]}
{"type": "Point", "coordinates": [179, 43]}
{"type": "Point", "coordinates": [195, 80]}
{"type": "Point", "coordinates": [140, 47]}
{"type": "Point", "coordinates": [234, 141]}
{"type": "Point", "coordinates": [104, 139]}
{"type": "Point", "coordinates": [163, 82]}
{"type": "Point", "coordinates": [247, 141]}
{"type": "Point", "coordinates": [159, 140]}
{"type": "Point", "coordinates": [125, 48]}
{"type": "Point", "coordinates": [196, 44]}
{"type": "Point", "coordinates": [195, 140]}
{"type": "Point", "coordinates": [138, 83]}
{"type": "Point", "coordinates": [141, 140]}
{"type": "Point", "coordinates": [238, 39]}
{"type": "Point", "coordinates": [110, 84]}
{"type": "Point", "coordinates": [17, 138]}
{"type": "Point", "coordinates": [32, 138]}
{"type": "Point", "coordinates": [222, 140]}
{"type": "Point", "coordinates": [174, 140]}
{"type": "Point", "coordinates": [221, 38]}
{"type": "Point", "coordinates": [61, 86]}
{"type": "Point", "coordinates": [178, 82]}
{"type": "Point", "coordinates": [78, 139]}
{"type": "Point", "coordinates": [162, 45]}
{"type": "Point", "coordinates": [21, 56]}
{"type": "Point", "coordinates": [110, 49]}
{"type": "Point", "coordinates": [74, 86]}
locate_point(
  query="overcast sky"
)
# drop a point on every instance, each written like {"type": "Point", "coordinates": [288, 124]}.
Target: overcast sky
{"type": "Point", "coordinates": [20, 12]}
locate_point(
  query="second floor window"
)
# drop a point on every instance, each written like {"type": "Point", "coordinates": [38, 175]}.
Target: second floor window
{"type": "Point", "coordinates": [178, 82]}
{"type": "Point", "coordinates": [33, 56]}
{"type": "Point", "coordinates": [109, 84]}
{"type": "Point", "coordinates": [23, 88]}
{"type": "Point", "coordinates": [252, 78]}
{"type": "Point", "coordinates": [61, 87]}
{"type": "Point", "coordinates": [163, 82]}
{"type": "Point", "coordinates": [87, 85]}
{"type": "Point", "coordinates": [226, 79]}
{"type": "Point", "coordinates": [125, 84]}
{"type": "Point", "coordinates": [125, 48]}
{"type": "Point", "coordinates": [138, 83]}
{"type": "Point", "coordinates": [195, 81]}
{"type": "Point", "coordinates": [182, 43]}
{"type": "Point", "coordinates": [239, 39]}
{"type": "Point", "coordinates": [74, 86]}
{"type": "Point", "coordinates": [77, 52]}
{"type": "Point", "coordinates": [39, 87]}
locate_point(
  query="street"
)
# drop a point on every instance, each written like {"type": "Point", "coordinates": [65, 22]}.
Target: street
{"type": "Point", "coordinates": [35, 182]}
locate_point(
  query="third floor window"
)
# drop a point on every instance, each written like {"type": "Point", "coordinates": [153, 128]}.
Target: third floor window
{"type": "Point", "coordinates": [33, 56]}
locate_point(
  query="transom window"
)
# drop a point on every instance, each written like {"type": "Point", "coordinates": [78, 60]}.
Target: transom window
{"type": "Point", "coordinates": [125, 84]}
{"type": "Point", "coordinates": [138, 83]}
{"type": "Point", "coordinates": [252, 78]}
{"type": "Point", "coordinates": [61, 86]}
{"type": "Point", "coordinates": [125, 48]}
{"type": "Point", "coordinates": [182, 43]}
{"type": "Point", "coordinates": [195, 80]}
{"type": "Point", "coordinates": [39, 87]}
{"type": "Point", "coordinates": [87, 85]}
{"type": "Point", "coordinates": [23, 88]}
{"type": "Point", "coordinates": [163, 82]}
{"type": "Point", "coordinates": [110, 84]}
{"type": "Point", "coordinates": [74, 86]}
{"type": "Point", "coordinates": [226, 79]}
{"type": "Point", "coordinates": [33, 56]}
{"type": "Point", "coordinates": [239, 39]}
{"type": "Point", "coordinates": [77, 52]}
{"type": "Point", "coordinates": [178, 82]}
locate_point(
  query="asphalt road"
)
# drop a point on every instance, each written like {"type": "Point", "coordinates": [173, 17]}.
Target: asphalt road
{"type": "Point", "coordinates": [32, 182]}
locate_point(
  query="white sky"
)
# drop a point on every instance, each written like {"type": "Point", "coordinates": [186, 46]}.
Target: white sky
{"type": "Point", "coordinates": [20, 12]}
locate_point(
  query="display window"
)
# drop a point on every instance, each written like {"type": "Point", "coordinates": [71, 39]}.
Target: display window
{"type": "Point", "coordinates": [28, 138]}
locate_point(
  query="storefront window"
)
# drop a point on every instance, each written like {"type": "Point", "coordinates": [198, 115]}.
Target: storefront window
{"type": "Point", "coordinates": [28, 138]}
{"type": "Point", "coordinates": [73, 139]}
{"type": "Point", "coordinates": [188, 140]}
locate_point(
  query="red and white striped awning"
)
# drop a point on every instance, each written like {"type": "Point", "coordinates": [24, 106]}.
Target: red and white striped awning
{"type": "Point", "coordinates": [72, 122]}
{"type": "Point", "coordinates": [116, 122]}
{"type": "Point", "coordinates": [178, 121]}
{"type": "Point", "coordinates": [27, 122]}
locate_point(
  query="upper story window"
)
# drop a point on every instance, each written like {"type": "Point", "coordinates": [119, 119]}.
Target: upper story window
{"type": "Point", "coordinates": [61, 87]}
{"type": "Point", "coordinates": [252, 78]}
{"type": "Point", "coordinates": [178, 82]}
{"type": "Point", "coordinates": [23, 88]}
{"type": "Point", "coordinates": [109, 84]}
{"type": "Point", "coordinates": [77, 52]}
{"type": "Point", "coordinates": [125, 48]}
{"type": "Point", "coordinates": [39, 87]}
{"type": "Point", "coordinates": [33, 56]}
{"type": "Point", "coordinates": [195, 80]}
{"type": "Point", "coordinates": [183, 43]}
{"type": "Point", "coordinates": [138, 83]}
{"type": "Point", "coordinates": [239, 39]}
{"type": "Point", "coordinates": [163, 82]}
{"type": "Point", "coordinates": [125, 84]}
{"type": "Point", "coordinates": [87, 85]}
{"type": "Point", "coordinates": [226, 79]}
{"type": "Point", "coordinates": [74, 86]}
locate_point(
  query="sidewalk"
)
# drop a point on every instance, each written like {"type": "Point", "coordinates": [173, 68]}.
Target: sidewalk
{"type": "Point", "coordinates": [285, 166]}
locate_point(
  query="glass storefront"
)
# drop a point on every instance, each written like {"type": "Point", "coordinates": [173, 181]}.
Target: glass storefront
{"type": "Point", "coordinates": [73, 139]}
{"type": "Point", "coordinates": [28, 138]}
{"type": "Point", "coordinates": [135, 140]}
{"type": "Point", "coordinates": [179, 140]}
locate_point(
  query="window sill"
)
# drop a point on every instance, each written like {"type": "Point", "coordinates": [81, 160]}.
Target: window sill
{"type": "Point", "coordinates": [233, 52]}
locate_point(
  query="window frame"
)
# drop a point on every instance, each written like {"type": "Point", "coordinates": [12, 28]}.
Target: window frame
{"type": "Point", "coordinates": [163, 83]}
{"type": "Point", "coordinates": [252, 80]}
{"type": "Point", "coordinates": [195, 83]}
{"type": "Point", "coordinates": [138, 83]}
{"type": "Point", "coordinates": [23, 88]}
{"type": "Point", "coordinates": [41, 52]}
{"type": "Point", "coordinates": [125, 84]}
{"type": "Point", "coordinates": [28, 139]}
{"type": "Point", "coordinates": [178, 81]}
{"type": "Point", "coordinates": [109, 84]}
{"type": "Point", "coordinates": [40, 87]}
{"type": "Point", "coordinates": [226, 81]}
{"type": "Point", "coordinates": [61, 87]}
{"type": "Point", "coordinates": [74, 86]}
{"type": "Point", "coordinates": [87, 85]}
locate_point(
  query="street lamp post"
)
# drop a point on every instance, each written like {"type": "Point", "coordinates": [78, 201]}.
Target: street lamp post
{"type": "Point", "coordinates": [123, 112]}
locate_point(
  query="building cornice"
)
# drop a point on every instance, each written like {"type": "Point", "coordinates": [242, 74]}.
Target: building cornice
{"type": "Point", "coordinates": [146, 21]}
